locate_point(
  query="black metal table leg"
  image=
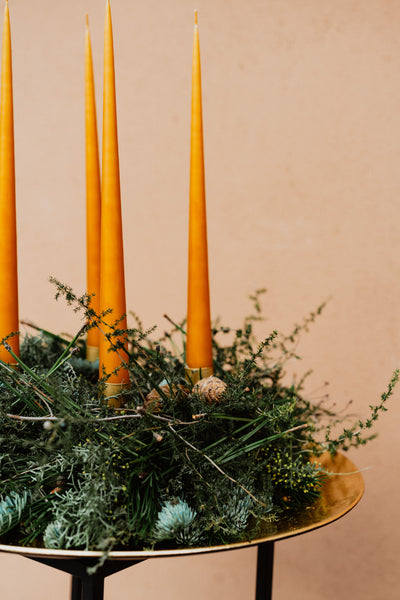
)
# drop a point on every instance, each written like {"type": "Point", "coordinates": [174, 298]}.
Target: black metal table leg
{"type": "Point", "coordinates": [265, 566]}
{"type": "Point", "coordinates": [93, 587]}
{"type": "Point", "coordinates": [76, 588]}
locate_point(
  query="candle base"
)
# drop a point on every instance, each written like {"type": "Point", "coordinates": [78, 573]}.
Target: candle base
{"type": "Point", "coordinates": [114, 393]}
{"type": "Point", "coordinates": [194, 375]}
{"type": "Point", "coordinates": [92, 353]}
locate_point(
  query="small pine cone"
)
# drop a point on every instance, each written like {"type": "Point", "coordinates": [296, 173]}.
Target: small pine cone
{"type": "Point", "coordinates": [210, 389]}
{"type": "Point", "coordinates": [153, 401]}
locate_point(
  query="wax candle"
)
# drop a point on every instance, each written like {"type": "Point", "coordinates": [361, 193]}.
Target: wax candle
{"type": "Point", "coordinates": [112, 278]}
{"type": "Point", "coordinates": [8, 232]}
{"type": "Point", "coordinates": [93, 198]}
{"type": "Point", "coordinates": [198, 341]}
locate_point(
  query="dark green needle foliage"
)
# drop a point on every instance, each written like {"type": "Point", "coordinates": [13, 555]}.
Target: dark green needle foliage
{"type": "Point", "coordinates": [171, 471]}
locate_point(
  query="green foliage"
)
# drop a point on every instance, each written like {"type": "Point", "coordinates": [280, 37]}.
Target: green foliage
{"type": "Point", "coordinates": [178, 470]}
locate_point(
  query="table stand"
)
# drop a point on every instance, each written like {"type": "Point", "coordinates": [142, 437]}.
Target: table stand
{"type": "Point", "coordinates": [91, 586]}
{"type": "Point", "coordinates": [86, 586]}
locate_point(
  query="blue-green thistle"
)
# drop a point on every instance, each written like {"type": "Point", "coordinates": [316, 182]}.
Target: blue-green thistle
{"type": "Point", "coordinates": [236, 511]}
{"type": "Point", "coordinates": [55, 534]}
{"type": "Point", "coordinates": [11, 509]}
{"type": "Point", "coordinates": [175, 521]}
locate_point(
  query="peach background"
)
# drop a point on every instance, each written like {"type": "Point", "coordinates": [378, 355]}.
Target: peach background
{"type": "Point", "coordinates": [302, 133]}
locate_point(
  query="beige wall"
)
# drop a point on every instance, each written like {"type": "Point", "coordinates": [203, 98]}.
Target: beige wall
{"type": "Point", "coordinates": [302, 141]}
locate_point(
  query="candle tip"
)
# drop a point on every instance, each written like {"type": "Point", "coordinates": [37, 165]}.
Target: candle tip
{"type": "Point", "coordinates": [195, 16]}
{"type": "Point", "coordinates": [87, 20]}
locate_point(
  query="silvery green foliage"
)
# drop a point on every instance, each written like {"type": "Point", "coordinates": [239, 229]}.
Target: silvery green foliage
{"type": "Point", "coordinates": [69, 382]}
{"type": "Point", "coordinates": [11, 509]}
{"type": "Point", "coordinates": [236, 511]}
{"type": "Point", "coordinates": [81, 517]}
{"type": "Point", "coordinates": [176, 521]}
{"type": "Point", "coordinates": [55, 534]}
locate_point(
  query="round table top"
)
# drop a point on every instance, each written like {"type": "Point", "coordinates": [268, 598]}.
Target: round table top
{"type": "Point", "coordinates": [341, 491]}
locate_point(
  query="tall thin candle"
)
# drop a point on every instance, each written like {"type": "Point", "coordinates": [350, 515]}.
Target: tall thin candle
{"type": "Point", "coordinates": [112, 278]}
{"type": "Point", "coordinates": [198, 341]}
{"type": "Point", "coordinates": [8, 232]}
{"type": "Point", "coordinates": [93, 198]}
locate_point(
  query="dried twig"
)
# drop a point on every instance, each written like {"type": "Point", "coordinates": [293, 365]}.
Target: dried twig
{"type": "Point", "coordinates": [215, 465]}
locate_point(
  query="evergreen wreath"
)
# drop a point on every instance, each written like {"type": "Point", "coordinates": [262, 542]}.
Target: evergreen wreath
{"type": "Point", "coordinates": [177, 465]}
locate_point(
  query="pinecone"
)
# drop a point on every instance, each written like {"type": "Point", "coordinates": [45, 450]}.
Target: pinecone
{"type": "Point", "coordinates": [210, 389]}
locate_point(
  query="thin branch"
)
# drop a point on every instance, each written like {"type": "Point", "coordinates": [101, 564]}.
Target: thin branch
{"type": "Point", "coordinates": [52, 418]}
{"type": "Point", "coordinates": [21, 418]}
{"type": "Point", "coordinates": [215, 465]}
{"type": "Point", "coordinates": [136, 416]}
{"type": "Point", "coordinates": [178, 327]}
{"type": "Point", "coordinates": [177, 421]}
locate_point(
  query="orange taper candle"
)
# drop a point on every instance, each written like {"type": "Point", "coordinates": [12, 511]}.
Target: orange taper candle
{"type": "Point", "coordinates": [8, 230]}
{"type": "Point", "coordinates": [198, 339]}
{"type": "Point", "coordinates": [112, 279]}
{"type": "Point", "coordinates": [93, 199]}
